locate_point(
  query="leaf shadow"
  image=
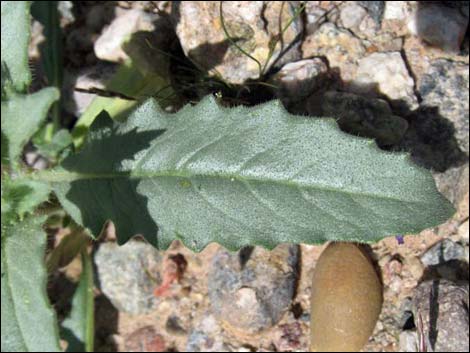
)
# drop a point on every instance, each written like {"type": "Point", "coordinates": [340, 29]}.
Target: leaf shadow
{"type": "Point", "coordinates": [105, 188]}
{"type": "Point", "coordinates": [430, 137]}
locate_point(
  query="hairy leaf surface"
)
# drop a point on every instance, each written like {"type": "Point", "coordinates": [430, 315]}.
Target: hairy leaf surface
{"type": "Point", "coordinates": [15, 40]}
{"type": "Point", "coordinates": [22, 115]}
{"type": "Point", "coordinates": [242, 176]}
{"type": "Point", "coordinates": [22, 196]}
{"type": "Point", "coordinates": [28, 321]}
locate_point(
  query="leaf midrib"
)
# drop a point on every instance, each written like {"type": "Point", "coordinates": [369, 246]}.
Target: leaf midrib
{"type": "Point", "coordinates": [55, 176]}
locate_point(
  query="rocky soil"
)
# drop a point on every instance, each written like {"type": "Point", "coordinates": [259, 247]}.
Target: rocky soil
{"type": "Point", "coordinates": [395, 71]}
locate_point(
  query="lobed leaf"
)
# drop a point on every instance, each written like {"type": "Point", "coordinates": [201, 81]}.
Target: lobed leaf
{"type": "Point", "coordinates": [28, 321]}
{"type": "Point", "coordinates": [22, 115]}
{"type": "Point", "coordinates": [242, 176]}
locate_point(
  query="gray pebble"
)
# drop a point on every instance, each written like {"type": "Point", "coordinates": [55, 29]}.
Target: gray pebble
{"type": "Point", "coordinates": [252, 289]}
{"type": "Point", "coordinates": [126, 275]}
{"type": "Point", "coordinates": [444, 251]}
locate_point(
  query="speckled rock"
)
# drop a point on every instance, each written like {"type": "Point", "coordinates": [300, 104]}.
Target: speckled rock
{"type": "Point", "coordinates": [206, 336]}
{"type": "Point", "coordinates": [109, 44]}
{"type": "Point", "coordinates": [375, 9]}
{"type": "Point", "coordinates": [439, 24]}
{"type": "Point", "coordinates": [300, 79]}
{"type": "Point", "coordinates": [386, 74]}
{"type": "Point", "coordinates": [338, 46]}
{"type": "Point", "coordinates": [443, 306]}
{"type": "Point", "coordinates": [251, 25]}
{"type": "Point", "coordinates": [125, 275]}
{"type": "Point", "coordinates": [408, 341]}
{"type": "Point", "coordinates": [317, 13]}
{"type": "Point", "coordinates": [463, 231]}
{"type": "Point", "coordinates": [396, 17]}
{"type": "Point", "coordinates": [386, 42]}
{"type": "Point", "coordinates": [250, 290]}
{"type": "Point", "coordinates": [445, 250]}
{"type": "Point", "coordinates": [366, 117]}
{"type": "Point", "coordinates": [145, 339]}
{"type": "Point", "coordinates": [364, 18]}
{"type": "Point", "coordinates": [446, 86]}
{"type": "Point", "coordinates": [352, 14]}
{"type": "Point", "coordinates": [454, 184]}
{"type": "Point", "coordinates": [396, 10]}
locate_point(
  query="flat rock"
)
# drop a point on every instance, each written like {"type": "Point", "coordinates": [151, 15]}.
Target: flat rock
{"type": "Point", "coordinates": [454, 184]}
{"type": "Point", "coordinates": [253, 26]}
{"type": "Point", "coordinates": [108, 46]}
{"type": "Point", "coordinates": [352, 14]}
{"type": "Point", "coordinates": [250, 290]}
{"type": "Point", "coordinates": [386, 74]}
{"type": "Point", "coordinates": [125, 275]}
{"type": "Point", "coordinates": [300, 79]}
{"type": "Point", "coordinates": [338, 46]}
{"type": "Point", "coordinates": [443, 307]}
{"type": "Point", "coordinates": [396, 10]}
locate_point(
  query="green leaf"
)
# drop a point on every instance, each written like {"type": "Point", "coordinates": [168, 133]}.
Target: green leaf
{"type": "Point", "coordinates": [47, 13]}
{"type": "Point", "coordinates": [22, 196]}
{"type": "Point", "coordinates": [242, 176]}
{"type": "Point", "coordinates": [28, 321]}
{"type": "Point", "coordinates": [15, 41]}
{"type": "Point", "coordinates": [22, 115]}
{"type": "Point", "coordinates": [49, 146]}
{"type": "Point", "coordinates": [78, 328]}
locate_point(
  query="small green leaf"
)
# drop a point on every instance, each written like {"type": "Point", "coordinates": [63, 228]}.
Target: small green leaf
{"type": "Point", "coordinates": [22, 116]}
{"type": "Point", "coordinates": [52, 147]}
{"type": "Point", "coordinates": [78, 328]}
{"type": "Point", "coordinates": [15, 41]}
{"type": "Point", "coordinates": [22, 196]}
{"type": "Point", "coordinates": [242, 176]}
{"type": "Point", "coordinates": [28, 321]}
